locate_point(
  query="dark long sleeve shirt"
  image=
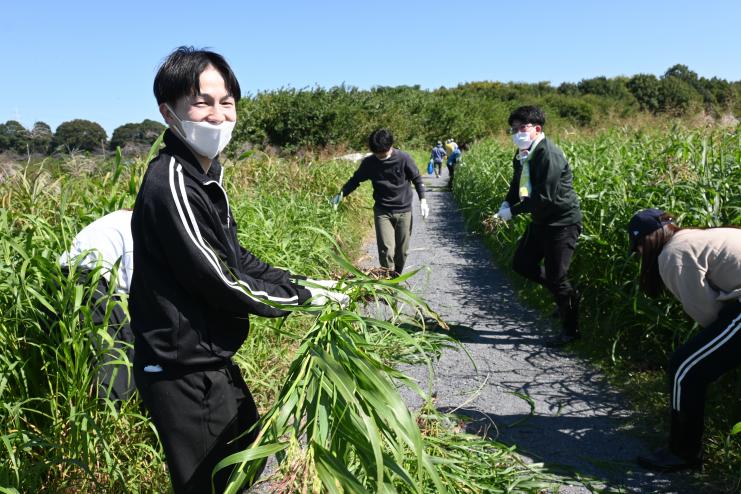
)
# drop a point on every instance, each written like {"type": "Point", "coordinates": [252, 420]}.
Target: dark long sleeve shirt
{"type": "Point", "coordinates": [390, 178]}
{"type": "Point", "coordinates": [194, 285]}
{"type": "Point", "coordinates": [553, 200]}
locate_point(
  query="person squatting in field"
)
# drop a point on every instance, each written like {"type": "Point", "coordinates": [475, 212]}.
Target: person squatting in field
{"type": "Point", "coordinates": [106, 244]}
{"type": "Point", "coordinates": [390, 172]}
{"type": "Point", "coordinates": [702, 269]}
{"type": "Point", "coordinates": [195, 286]}
{"type": "Point", "coordinates": [437, 156]}
{"type": "Point", "coordinates": [542, 186]}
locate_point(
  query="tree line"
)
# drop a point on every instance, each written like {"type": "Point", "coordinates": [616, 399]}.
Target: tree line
{"type": "Point", "coordinates": [343, 116]}
{"type": "Point", "coordinates": [76, 135]}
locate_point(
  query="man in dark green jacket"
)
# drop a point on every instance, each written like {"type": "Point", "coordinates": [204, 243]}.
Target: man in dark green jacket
{"type": "Point", "coordinates": [542, 186]}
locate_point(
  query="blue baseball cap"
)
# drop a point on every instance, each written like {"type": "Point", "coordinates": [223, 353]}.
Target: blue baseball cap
{"type": "Point", "coordinates": [644, 222]}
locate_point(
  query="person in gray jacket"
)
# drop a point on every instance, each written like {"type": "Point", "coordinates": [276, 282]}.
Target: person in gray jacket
{"type": "Point", "coordinates": [702, 269]}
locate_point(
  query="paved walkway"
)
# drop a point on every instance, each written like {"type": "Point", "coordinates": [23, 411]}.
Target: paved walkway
{"type": "Point", "coordinates": [554, 406]}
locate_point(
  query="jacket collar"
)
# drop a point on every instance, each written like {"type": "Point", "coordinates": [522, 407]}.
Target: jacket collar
{"type": "Point", "coordinates": [174, 146]}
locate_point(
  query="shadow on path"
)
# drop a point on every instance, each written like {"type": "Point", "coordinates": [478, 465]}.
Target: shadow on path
{"type": "Point", "coordinates": [554, 407]}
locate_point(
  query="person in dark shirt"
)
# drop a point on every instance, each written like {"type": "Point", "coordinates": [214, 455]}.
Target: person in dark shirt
{"type": "Point", "coordinates": [195, 285]}
{"type": "Point", "coordinates": [390, 172]}
{"type": "Point", "coordinates": [542, 186]}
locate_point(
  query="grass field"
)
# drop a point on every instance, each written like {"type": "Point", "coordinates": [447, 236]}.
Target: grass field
{"type": "Point", "coordinates": [57, 437]}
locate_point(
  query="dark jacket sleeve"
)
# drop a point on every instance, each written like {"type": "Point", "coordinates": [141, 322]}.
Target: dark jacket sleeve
{"type": "Point", "coordinates": [253, 267]}
{"type": "Point", "coordinates": [360, 175]}
{"type": "Point", "coordinates": [183, 224]}
{"type": "Point", "coordinates": [545, 178]}
{"type": "Point", "coordinates": [412, 173]}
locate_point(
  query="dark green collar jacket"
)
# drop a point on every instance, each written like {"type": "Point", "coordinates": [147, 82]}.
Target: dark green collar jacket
{"type": "Point", "coordinates": [553, 200]}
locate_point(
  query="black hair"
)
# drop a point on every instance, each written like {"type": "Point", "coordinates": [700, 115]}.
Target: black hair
{"type": "Point", "coordinates": [651, 246]}
{"type": "Point", "coordinates": [179, 74]}
{"type": "Point", "coordinates": [527, 115]}
{"type": "Point", "coordinates": [380, 140]}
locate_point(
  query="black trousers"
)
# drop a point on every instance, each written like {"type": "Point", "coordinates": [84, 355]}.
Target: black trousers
{"type": "Point", "coordinates": [711, 353]}
{"type": "Point", "coordinates": [451, 172]}
{"type": "Point", "coordinates": [554, 246]}
{"type": "Point", "coordinates": [198, 416]}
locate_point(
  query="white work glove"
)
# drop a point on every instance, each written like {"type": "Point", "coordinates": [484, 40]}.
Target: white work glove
{"type": "Point", "coordinates": [323, 283]}
{"type": "Point", "coordinates": [424, 209]}
{"type": "Point", "coordinates": [321, 297]}
{"type": "Point", "coordinates": [504, 214]}
{"type": "Point", "coordinates": [335, 201]}
{"type": "Point", "coordinates": [504, 205]}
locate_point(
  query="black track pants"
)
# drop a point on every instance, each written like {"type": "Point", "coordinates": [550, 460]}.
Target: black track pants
{"type": "Point", "coordinates": [693, 366]}
{"type": "Point", "coordinates": [197, 415]}
{"type": "Point", "coordinates": [554, 245]}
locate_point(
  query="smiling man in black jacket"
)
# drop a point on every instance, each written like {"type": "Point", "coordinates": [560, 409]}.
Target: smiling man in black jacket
{"type": "Point", "coordinates": [195, 286]}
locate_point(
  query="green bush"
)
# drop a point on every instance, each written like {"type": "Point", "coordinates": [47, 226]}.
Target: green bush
{"type": "Point", "coordinates": [79, 135]}
{"type": "Point", "coordinates": [138, 135]}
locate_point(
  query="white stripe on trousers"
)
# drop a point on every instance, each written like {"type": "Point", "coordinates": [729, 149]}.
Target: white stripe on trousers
{"type": "Point", "coordinates": [700, 354]}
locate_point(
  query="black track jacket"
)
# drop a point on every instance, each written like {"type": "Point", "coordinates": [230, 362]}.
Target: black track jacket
{"type": "Point", "coordinates": [194, 285]}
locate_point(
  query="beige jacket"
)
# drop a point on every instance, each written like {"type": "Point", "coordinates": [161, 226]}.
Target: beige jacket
{"type": "Point", "coordinates": [702, 268]}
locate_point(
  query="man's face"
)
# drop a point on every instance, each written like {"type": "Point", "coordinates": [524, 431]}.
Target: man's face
{"type": "Point", "coordinates": [532, 130]}
{"type": "Point", "coordinates": [213, 104]}
{"type": "Point", "coordinates": [384, 155]}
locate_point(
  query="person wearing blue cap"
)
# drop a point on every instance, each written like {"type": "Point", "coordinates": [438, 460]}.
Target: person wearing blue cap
{"type": "Point", "coordinates": [702, 269]}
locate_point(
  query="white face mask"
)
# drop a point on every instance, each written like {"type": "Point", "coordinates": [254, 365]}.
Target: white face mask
{"type": "Point", "coordinates": [206, 139]}
{"type": "Point", "coordinates": [522, 140]}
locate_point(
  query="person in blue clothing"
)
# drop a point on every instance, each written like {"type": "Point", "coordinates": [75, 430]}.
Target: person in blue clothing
{"type": "Point", "coordinates": [454, 158]}
{"type": "Point", "coordinates": [437, 156]}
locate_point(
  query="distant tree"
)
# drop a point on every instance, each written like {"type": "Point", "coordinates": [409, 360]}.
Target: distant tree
{"type": "Point", "coordinates": [681, 72]}
{"type": "Point", "coordinates": [14, 137]}
{"type": "Point", "coordinates": [568, 88]}
{"type": "Point", "coordinates": [602, 86]}
{"type": "Point", "coordinates": [41, 138]}
{"type": "Point", "coordinates": [136, 134]}
{"type": "Point", "coordinates": [722, 91]}
{"type": "Point", "coordinates": [646, 89]}
{"type": "Point", "coordinates": [678, 97]}
{"type": "Point", "coordinates": [79, 134]}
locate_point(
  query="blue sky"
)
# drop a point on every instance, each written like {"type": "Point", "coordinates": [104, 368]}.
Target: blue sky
{"type": "Point", "coordinates": [97, 60]}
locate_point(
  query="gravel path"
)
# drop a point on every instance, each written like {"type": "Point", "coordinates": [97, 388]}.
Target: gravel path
{"type": "Point", "coordinates": [554, 406]}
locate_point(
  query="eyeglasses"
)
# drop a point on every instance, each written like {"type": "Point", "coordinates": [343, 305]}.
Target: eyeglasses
{"type": "Point", "coordinates": [521, 128]}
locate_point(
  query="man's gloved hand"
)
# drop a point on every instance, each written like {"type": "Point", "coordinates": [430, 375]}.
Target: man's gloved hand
{"type": "Point", "coordinates": [335, 201]}
{"type": "Point", "coordinates": [323, 283]}
{"type": "Point", "coordinates": [321, 297]}
{"type": "Point", "coordinates": [424, 209]}
{"type": "Point", "coordinates": [504, 205]}
{"type": "Point", "coordinates": [504, 214]}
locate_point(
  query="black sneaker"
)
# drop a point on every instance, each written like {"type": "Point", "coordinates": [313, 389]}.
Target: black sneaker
{"type": "Point", "coordinates": [664, 460]}
{"type": "Point", "coordinates": [562, 340]}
